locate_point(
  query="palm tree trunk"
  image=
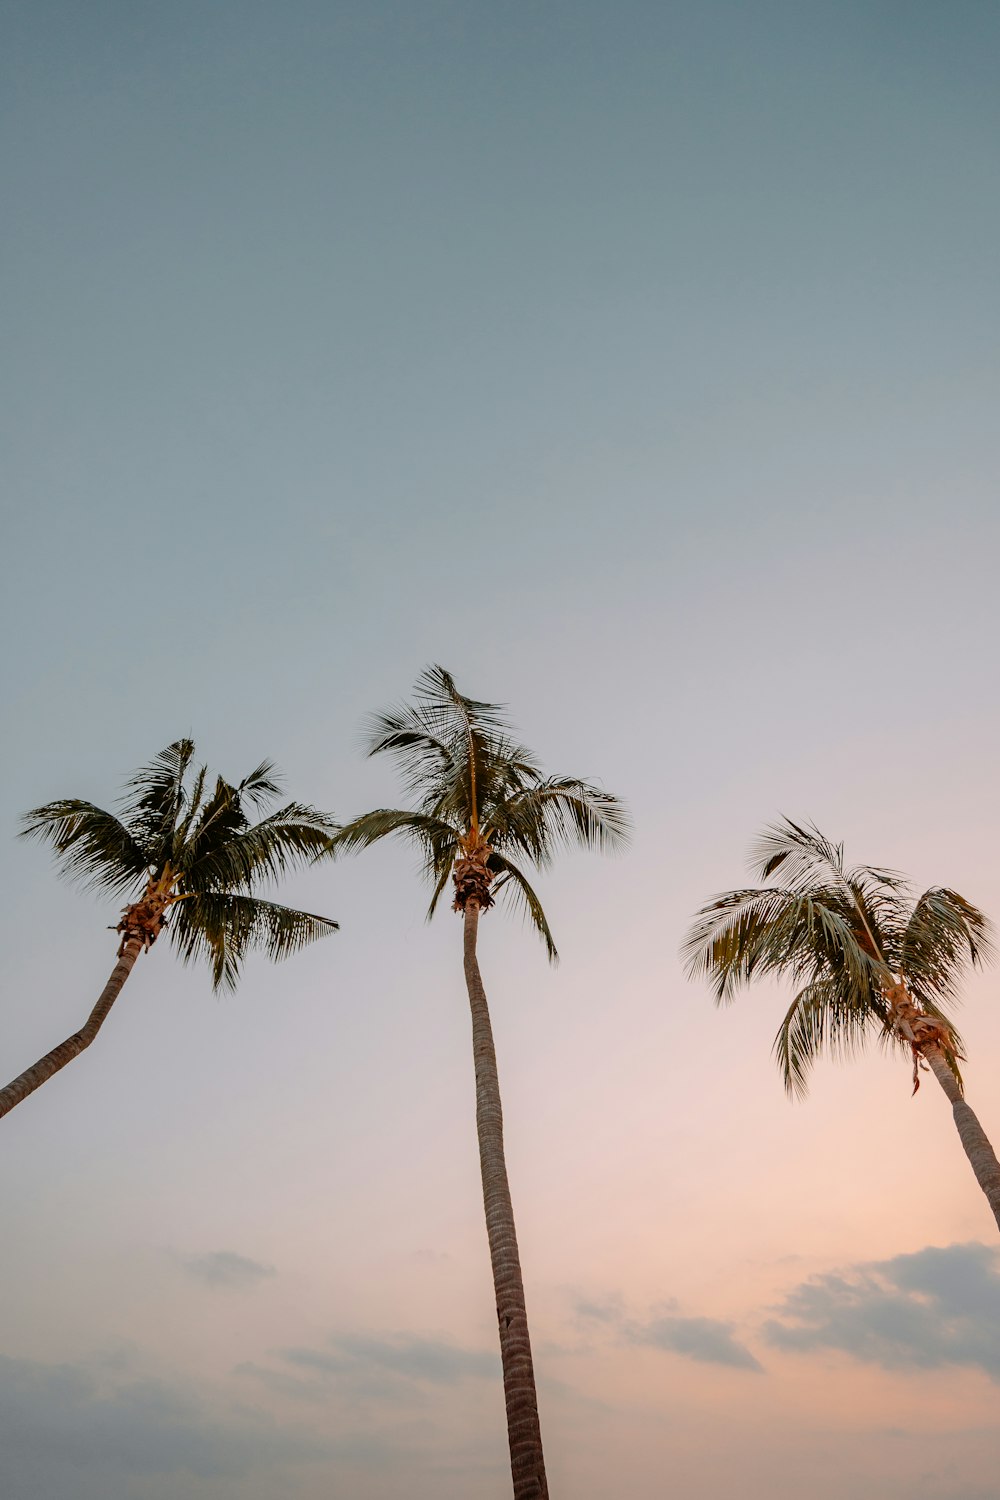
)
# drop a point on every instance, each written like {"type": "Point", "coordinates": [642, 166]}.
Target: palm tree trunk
{"type": "Point", "coordinates": [33, 1078]}
{"type": "Point", "coordinates": [523, 1428]}
{"type": "Point", "coordinates": [974, 1139]}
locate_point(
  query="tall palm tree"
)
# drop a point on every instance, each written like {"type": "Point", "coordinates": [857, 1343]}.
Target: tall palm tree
{"type": "Point", "coordinates": [185, 847]}
{"type": "Point", "coordinates": [867, 961]}
{"type": "Point", "coordinates": [482, 807]}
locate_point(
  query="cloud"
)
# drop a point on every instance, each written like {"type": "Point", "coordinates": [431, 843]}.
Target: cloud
{"type": "Point", "coordinates": [224, 1269]}
{"type": "Point", "coordinates": [708, 1340]}
{"type": "Point", "coordinates": [81, 1429]}
{"type": "Point", "coordinates": [409, 1358]}
{"type": "Point", "coordinates": [936, 1307]}
{"type": "Point", "coordinates": [599, 1310]}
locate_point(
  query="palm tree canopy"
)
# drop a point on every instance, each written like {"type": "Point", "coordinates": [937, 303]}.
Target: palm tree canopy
{"type": "Point", "coordinates": [470, 781]}
{"type": "Point", "coordinates": [844, 937]}
{"type": "Point", "coordinates": [176, 823]}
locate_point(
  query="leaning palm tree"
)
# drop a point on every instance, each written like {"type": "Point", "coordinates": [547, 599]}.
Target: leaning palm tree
{"type": "Point", "coordinates": [867, 961]}
{"type": "Point", "coordinates": [482, 807]}
{"type": "Point", "coordinates": [188, 848]}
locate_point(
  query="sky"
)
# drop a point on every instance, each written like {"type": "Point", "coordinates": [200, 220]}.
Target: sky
{"type": "Point", "coordinates": [638, 363]}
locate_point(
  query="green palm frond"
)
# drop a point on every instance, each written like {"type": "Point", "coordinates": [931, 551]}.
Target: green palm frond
{"type": "Point", "coordinates": [262, 786]}
{"type": "Point", "coordinates": [945, 935]}
{"type": "Point", "coordinates": [203, 846]}
{"type": "Point", "coordinates": [155, 797]}
{"type": "Point", "coordinates": [559, 811]}
{"type": "Point", "coordinates": [804, 856]}
{"type": "Point", "coordinates": [92, 846]}
{"type": "Point", "coordinates": [744, 934]}
{"type": "Point", "coordinates": [820, 1019]}
{"type": "Point", "coordinates": [421, 755]}
{"type": "Point", "coordinates": [442, 704]}
{"type": "Point", "coordinates": [230, 852]}
{"type": "Point", "coordinates": [520, 894]}
{"type": "Point", "coordinates": [845, 938]}
{"type": "Point", "coordinates": [468, 775]}
{"type": "Point", "coordinates": [425, 831]}
{"type": "Point", "coordinates": [224, 928]}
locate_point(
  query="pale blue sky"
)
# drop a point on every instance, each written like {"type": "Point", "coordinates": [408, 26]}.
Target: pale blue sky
{"type": "Point", "coordinates": [639, 363]}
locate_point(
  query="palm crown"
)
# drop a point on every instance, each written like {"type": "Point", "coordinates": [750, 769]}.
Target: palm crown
{"type": "Point", "coordinates": [478, 793]}
{"type": "Point", "coordinates": [193, 842]}
{"type": "Point", "coordinates": [847, 938]}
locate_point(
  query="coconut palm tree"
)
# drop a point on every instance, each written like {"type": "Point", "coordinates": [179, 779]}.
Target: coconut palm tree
{"type": "Point", "coordinates": [866, 959]}
{"type": "Point", "coordinates": [188, 848]}
{"type": "Point", "coordinates": [481, 809]}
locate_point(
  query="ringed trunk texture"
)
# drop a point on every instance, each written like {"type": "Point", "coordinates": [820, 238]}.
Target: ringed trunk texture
{"type": "Point", "coordinates": [982, 1157]}
{"type": "Point", "coordinates": [523, 1428]}
{"type": "Point", "coordinates": [33, 1078]}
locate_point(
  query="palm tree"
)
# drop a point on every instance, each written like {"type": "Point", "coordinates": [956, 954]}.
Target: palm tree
{"type": "Point", "coordinates": [184, 847]}
{"type": "Point", "coordinates": [481, 808]}
{"type": "Point", "coordinates": [866, 959]}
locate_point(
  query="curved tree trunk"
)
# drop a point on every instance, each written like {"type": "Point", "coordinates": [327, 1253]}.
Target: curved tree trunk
{"type": "Point", "coordinates": [33, 1078]}
{"type": "Point", "coordinates": [982, 1157]}
{"type": "Point", "coordinates": [523, 1428]}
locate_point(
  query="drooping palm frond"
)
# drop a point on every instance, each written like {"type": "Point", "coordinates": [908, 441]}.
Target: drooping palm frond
{"type": "Point", "coordinates": [820, 1019]}
{"type": "Point", "coordinates": [468, 776]}
{"type": "Point", "coordinates": [91, 846]}
{"type": "Point", "coordinates": [223, 928]}
{"type": "Point", "coordinates": [421, 829]}
{"type": "Point", "coordinates": [559, 811]}
{"type": "Point", "coordinates": [513, 883]}
{"type": "Point", "coordinates": [945, 935]}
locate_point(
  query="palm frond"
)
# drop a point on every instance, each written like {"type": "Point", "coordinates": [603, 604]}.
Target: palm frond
{"type": "Point", "coordinates": [441, 702]}
{"type": "Point", "coordinates": [261, 786]}
{"type": "Point", "coordinates": [210, 854]}
{"type": "Point", "coordinates": [423, 758]}
{"type": "Point", "coordinates": [425, 831]}
{"type": "Point", "coordinates": [468, 775]}
{"type": "Point", "coordinates": [560, 810]}
{"type": "Point", "coordinates": [91, 846]}
{"type": "Point", "coordinates": [155, 797]}
{"type": "Point", "coordinates": [519, 892]}
{"type": "Point", "coordinates": [744, 934]}
{"type": "Point", "coordinates": [439, 871]}
{"type": "Point", "coordinates": [945, 935]}
{"type": "Point", "coordinates": [820, 1019]}
{"type": "Point", "coordinates": [845, 938]}
{"type": "Point", "coordinates": [232, 854]}
{"type": "Point", "coordinates": [224, 926]}
{"type": "Point", "coordinates": [802, 854]}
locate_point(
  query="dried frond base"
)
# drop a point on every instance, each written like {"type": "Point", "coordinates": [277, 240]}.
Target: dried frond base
{"type": "Point", "coordinates": [472, 883]}
{"type": "Point", "coordinates": [143, 920]}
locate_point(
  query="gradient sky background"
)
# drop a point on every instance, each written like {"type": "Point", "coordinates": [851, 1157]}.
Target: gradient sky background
{"type": "Point", "coordinates": [639, 363]}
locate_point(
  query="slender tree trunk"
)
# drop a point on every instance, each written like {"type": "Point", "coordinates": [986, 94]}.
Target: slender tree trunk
{"type": "Point", "coordinates": [33, 1078]}
{"type": "Point", "coordinates": [523, 1428]}
{"type": "Point", "coordinates": [982, 1157]}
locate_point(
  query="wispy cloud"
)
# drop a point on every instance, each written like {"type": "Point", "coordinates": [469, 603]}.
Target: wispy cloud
{"type": "Point", "coordinates": [609, 1310]}
{"type": "Point", "coordinates": [936, 1307]}
{"type": "Point", "coordinates": [410, 1358]}
{"type": "Point", "coordinates": [709, 1340]}
{"type": "Point", "coordinates": [225, 1270]}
